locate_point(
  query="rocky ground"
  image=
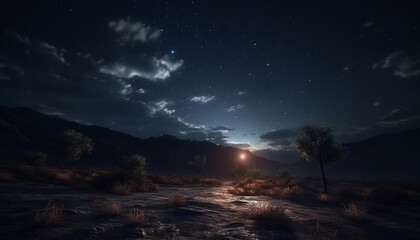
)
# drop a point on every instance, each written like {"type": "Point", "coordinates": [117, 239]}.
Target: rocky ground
{"type": "Point", "coordinates": [209, 212]}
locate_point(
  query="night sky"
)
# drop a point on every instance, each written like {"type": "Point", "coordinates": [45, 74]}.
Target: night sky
{"type": "Point", "coordinates": [240, 73]}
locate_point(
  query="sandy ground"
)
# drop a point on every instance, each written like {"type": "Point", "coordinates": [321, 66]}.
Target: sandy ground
{"type": "Point", "coordinates": [210, 213]}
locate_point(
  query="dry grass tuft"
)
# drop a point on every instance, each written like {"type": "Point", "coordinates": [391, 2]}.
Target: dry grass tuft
{"type": "Point", "coordinates": [326, 198]}
{"type": "Point", "coordinates": [113, 208]}
{"type": "Point", "coordinates": [136, 217]}
{"type": "Point", "coordinates": [274, 187]}
{"type": "Point", "coordinates": [272, 217]}
{"type": "Point", "coordinates": [356, 211]}
{"type": "Point", "coordinates": [63, 176]}
{"type": "Point", "coordinates": [177, 201]}
{"type": "Point", "coordinates": [6, 176]}
{"type": "Point", "coordinates": [50, 215]}
{"type": "Point", "coordinates": [324, 233]}
{"type": "Point", "coordinates": [122, 189]}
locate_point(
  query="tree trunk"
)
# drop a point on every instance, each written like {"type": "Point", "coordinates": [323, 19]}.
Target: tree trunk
{"type": "Point", "coordinates": [324, 183]}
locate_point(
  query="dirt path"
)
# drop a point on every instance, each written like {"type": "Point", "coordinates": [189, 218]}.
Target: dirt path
{"type": "Point", "coordinates": [210, 212]}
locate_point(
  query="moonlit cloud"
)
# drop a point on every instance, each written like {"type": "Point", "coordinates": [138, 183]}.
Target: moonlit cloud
{"type": "Point", "coordinates": [202, 99]}
{"type": "Point", "coordinates": [242, 92]}
{"type": "Point", "coordinates": [397, 117]}
{"type": "Point", "coordinates": [52, 51]}
{"type": "Point", "coordinates": [133, 31]}
{"type": "Point", "coordinates": [160, 106]}
{"type": "Point", "coordinates": [234, 108]}
{"type": "Point", "coordinates": [154, 69]}
{"type": "Point", "coordinates": [402, 65]}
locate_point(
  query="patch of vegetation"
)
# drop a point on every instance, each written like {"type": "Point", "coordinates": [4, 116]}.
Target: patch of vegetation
{"type": "Point", "coordinates": [274, 187]}
{"type": "Point", "coordinates": [272, 217]}
{"type": "Point", "coordinates": [49, 216]}
{"type": "Point", "coordinates": [136, 217]}
{"type": "Point", "coordinates": [177, 201]}
{"type": "Point", "coordinates": [113, 209]}
{"type": "Point", "coordinates": [356, 211]}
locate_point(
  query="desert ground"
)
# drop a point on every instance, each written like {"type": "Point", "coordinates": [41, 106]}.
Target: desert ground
{"type": "Point", "coordinates": [229, 210]}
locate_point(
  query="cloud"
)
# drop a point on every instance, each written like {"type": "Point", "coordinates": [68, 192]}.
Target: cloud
{"type": "Point", "coordinates": [160, 106]}
{"type": "Point", "coordinates": [242, 92]}
{"type": "Point", "coordinates": [153, 69]}
{"type": "Point", "coordinates": [397, 117]}
{"type": "Point", "coordinates": [222, 129]}
{"type": "Point", "coordinates": [376, 104]}
{"type": "Point", "coordinates": [202, 99]}
{"type": "Point", "coordinates": [234, 108]}
{"type": "Point", "coordinates": [133, 31]}
{"type": "Point", "coordinates": [243, 146]}
{"type": "Point", "coordinates": [20, 37]}
{"type": "Point", "coordinates": [52, 51]}
{"type": "Point", "coordinates": [279, 138]}
{"type": "Point", "coordinates": [367, 24]}
{"type": "Point", "coordinates": [402, 65]}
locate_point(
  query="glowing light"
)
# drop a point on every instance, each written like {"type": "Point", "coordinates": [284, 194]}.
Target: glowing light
{"type": "Point", "coordinates": [173, 51]}
{"type": "Point", "coordinates": [242, 156]}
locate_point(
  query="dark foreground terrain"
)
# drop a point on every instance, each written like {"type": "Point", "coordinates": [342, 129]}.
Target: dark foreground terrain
{"type": "Point", "coordinates": [194, 212]}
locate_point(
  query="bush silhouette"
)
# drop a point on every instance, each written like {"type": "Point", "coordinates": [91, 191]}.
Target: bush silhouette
{"type": "Point", "coordinates": [33, 158]}
{"type": "Point", "coordinates": [135, 163]}
{"type": "Point", "coordinates": [198, 164]}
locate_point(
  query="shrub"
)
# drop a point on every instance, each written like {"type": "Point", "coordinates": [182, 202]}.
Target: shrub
{"type": "Point", "coordinates": [113, 208]}
{"type": "Point", "coordinates": [198, 164]}
{"type": "Point", "coordinates": [33, 158]}
{"type": "Point", "coordinates": [356, 211]}
{"type": "Point", "coordinates": [50, 215]}
{"type": "Point", "coordinates": [136, 217]}
{"type": "Point", "coordinates": [273, 217]}
{"type": "Point", "coordinates": [135, 163]}
{"type": "Point", "coordinates": [122, 189]}
{"type": "Point", "coordinates": [326, 198]}
{"type": "Point", "coordinates": [285, 174]}
{"type": "Point", "coordinates": [6, 176]}
{"type": "Point", "coordinates": [254, 173]}
{"type": "Point", "coordinates": [177, 201]}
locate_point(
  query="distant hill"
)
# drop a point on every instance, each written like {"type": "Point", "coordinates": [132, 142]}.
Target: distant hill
{"type": "Point", "coordinates": [26, 129]}
{"type": "Point", "coordinates": [393, 156]}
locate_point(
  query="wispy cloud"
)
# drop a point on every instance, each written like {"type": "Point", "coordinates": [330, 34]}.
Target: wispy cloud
{"type": "Point", "coordinates": [242, 92]}
{"type": "Point", "coordinates": [160, 106]}
{"type": "Point", "coordinates": [202, 99]}
{"type": "Point", "coordinates": [154, 69]}
{"type": "Point", "coordinates": [54, 52]}
{"type": "Point", "coordinates": [397, 117]}
{"type": "Point", "coordinates": [402, 65]}
{"type": "Point", "coordinates": [234, 107]}
{"type": "Point", "coordinates": [133, 31]}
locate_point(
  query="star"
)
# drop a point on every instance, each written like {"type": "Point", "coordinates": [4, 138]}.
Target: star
{"type": "Point", "coordinates": [172, 51]}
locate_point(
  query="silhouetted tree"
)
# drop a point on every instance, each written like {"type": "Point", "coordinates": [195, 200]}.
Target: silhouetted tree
{"type": "Point", "coordinates": [198, 164]}
{"type": "Point", "coordinates": [317, 145]}
{"type": "Point", "coordinates": [70, 145]}
{"type": "Point", "coordinates": [135, 163]}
